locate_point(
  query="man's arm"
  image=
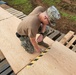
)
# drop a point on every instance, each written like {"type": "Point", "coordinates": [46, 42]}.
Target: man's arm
{"type": "Point", "coordinates": [35, 44]}
{"type": "Point", "coordinates": [40, 38]}
{"type": "Point", "coordinates": [43, 28]}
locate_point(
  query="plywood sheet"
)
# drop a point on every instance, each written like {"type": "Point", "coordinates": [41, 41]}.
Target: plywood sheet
{"type": "Point", "coordinates": [57, 61]}
{"type": "Point", "coordinates": [10, 46]}
{"type": "Point", "coordinates": [4, 14]}
{"type": "Point", "coordinates": [65, 57]}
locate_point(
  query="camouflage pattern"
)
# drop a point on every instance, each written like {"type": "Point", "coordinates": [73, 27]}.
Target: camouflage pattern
{"type": "Point", "coordinates": [53, 13]}
{"type": "Point", "coordinates": [26, 44]}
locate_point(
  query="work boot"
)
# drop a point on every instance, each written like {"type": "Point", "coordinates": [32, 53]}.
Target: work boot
{"type": "Point", "coordinates": [43, 44]}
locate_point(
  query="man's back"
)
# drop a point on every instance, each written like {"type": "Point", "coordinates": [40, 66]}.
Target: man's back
{"type": "Point", "coordinates": [29, 26]}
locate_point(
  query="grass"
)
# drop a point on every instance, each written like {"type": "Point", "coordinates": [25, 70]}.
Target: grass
{"type": "Point", "coordinates": [16, 2]}
{"type": "Point", "coordinates": [71, 17]}
{"type": "Point", "coordinates": [51, 2]}
{"type": "Point", "coordinates": [22, 5]}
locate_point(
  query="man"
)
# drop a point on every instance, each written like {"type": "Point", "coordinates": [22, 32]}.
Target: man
{"type": "Point", "coordinates": [36, 22]}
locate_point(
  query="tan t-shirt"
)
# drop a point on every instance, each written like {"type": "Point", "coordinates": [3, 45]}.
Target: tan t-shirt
{"type": "Point", "coordinates": [30, 25]}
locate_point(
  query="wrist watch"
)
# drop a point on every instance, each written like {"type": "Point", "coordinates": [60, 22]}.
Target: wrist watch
{"type": "Point", "coordinates": [42, 33]}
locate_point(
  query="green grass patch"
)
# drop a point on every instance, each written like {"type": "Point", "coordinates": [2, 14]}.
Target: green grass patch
{"type": "Point", "coordinates": [71, 17]}
{"type": "Point", "coordinates": [15, 2]}
{"type": "Point", "coordinates": [51, 2]}
{"type": "Point", "coordinates": [22, 5]}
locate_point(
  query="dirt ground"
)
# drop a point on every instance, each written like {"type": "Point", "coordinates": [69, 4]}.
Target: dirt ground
{"type": "Point", "coordinates": [65, 24]}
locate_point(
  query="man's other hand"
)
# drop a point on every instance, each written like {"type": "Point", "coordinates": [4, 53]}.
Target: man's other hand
{"type": "Point", "coordinates": [40, 38]}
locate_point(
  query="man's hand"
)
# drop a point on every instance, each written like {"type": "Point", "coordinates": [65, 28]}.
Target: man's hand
{"type": "Point", "coordinates": [36, 47]}
{"type": "Point", "coordinates": [40, 38]}
{"type": "Point", "coordinates": [40, 50]}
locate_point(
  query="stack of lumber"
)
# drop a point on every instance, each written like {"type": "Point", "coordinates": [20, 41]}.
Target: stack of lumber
{"type": "Point", "coordinates": [69, 40]}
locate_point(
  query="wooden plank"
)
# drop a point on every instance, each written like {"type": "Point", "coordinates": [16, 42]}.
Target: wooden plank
{"type": "Point", "coordinates": [16, 12]}
{"type": "Point", "coordinates": [12, 74]}
{"type": "Point", "coordinates": [21, 16]}
{"type": "Point", "coordinates": [3, 66]}
{"type": "Point", "coordinates": [51, 30]}
{"type": "Point", "coordinates": [59, 38]}
{"type": "Point", "coordinates": [59, 60]}
{"type": "Point", "coordinates": [17, 57]}
{"type": "Point", "coordinates": [4, 14]}
{"type": "Point", "coordinates": [12, 48]}
{"type": "Point", "coordinates": [71, 41]}
{"type": "Point", "coordinates": [74, 48]}
{"type": "Point", "coordinates": [65, 57]}
{"type": "Point", "coordinates": [4, 6]}
{"type": "Point", "coordinates": [54, 34]}
{"type": "Point", "coordinates": [1, 56]}
{"type": "Point", "coordinates": [6, 72]}
{"type": "Point", "coordinates": [11, 10]}
{"type": "Point", "coordinates": [67, 37]}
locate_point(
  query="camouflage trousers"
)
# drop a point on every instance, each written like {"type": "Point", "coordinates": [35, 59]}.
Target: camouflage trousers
{"type": "Point", "coordinates": [27, 45]}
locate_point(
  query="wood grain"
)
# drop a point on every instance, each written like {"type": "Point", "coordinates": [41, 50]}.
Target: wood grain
{"type": "Point", "coordinates": [71, 41]}
{"type": "Point", "coordinates": [67, 37]}
{"type": "Point", "coordinates": [59, 60]}
{"type": "Point", "coordinates": [4, 14]}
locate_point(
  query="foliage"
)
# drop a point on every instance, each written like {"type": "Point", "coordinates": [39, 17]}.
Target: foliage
{"type": "Point", "coordinates": [22, 5]}
{"type": "Point", "coordinates": [51, 2]}
{"type": "Point", "coordinates": [71, 17]}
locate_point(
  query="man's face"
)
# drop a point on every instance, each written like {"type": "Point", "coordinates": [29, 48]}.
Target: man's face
{"type": "Point", "coordinates": [45, 19]}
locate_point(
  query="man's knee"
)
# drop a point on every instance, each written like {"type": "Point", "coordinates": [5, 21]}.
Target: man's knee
{"type": "Point", "coordinates": [27, 45]}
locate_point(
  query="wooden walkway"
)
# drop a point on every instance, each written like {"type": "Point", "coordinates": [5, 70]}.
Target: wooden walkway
{"type": "Point", "coordinates": [19, 64]}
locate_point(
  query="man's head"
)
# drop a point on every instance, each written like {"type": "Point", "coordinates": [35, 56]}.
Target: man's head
{"type": "Point", "coordinates": [50, 16]}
